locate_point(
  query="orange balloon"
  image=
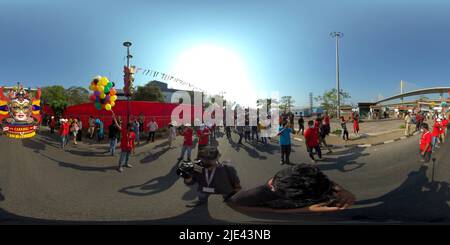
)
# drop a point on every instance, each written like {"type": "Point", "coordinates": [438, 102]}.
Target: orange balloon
{"type": "Point", "coordinates": [112, 92]}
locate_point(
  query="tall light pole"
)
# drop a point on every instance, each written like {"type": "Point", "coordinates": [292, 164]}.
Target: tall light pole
{"type": "Point", "coordinates": [129, 56]}
{"type": "Point", "coordinates": [337, 35]}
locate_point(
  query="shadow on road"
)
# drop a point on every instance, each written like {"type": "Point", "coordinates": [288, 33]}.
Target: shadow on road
{"type": "Point", "coordinates": [345, 158]}
{"type": "Point", "coordinates": [88, 153]}
{"type": "Point", "coordinates": [33, 145]}
{"type": "Point", "coordinates": [418, 198]}
{"type": "Point", "coordinates": [2, 197]}
{"type": "Point", "coordinates": [153, 186]}
{"type": "Point", "coordinates": [80, 167]}
{"type": "Point", "coordinates": [154, 156]}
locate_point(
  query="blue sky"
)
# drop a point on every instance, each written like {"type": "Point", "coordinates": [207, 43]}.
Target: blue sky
{"type": "Point", "coordinates": [285, 45]}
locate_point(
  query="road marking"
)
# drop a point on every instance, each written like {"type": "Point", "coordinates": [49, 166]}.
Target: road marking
{"type": "Point", "coordinates": [366, 145]}
{"type": "Point", "coordinates": [389, 141]}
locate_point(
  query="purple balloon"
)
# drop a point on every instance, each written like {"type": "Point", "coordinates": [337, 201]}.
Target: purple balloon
{"type": "Point", "coordinates": [107, 98]}
{"type": "Point", "coordinates": [96, 93]}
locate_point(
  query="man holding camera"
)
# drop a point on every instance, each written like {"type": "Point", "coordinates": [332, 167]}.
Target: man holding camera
{"type": "Point", "coordinates": [211, 176]}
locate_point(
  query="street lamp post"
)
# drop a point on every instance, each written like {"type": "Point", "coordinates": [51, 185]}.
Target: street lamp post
{"type": "Point", "coordinates": [337, 35]}
{"type": "Point", "coordinates": [129, 56]}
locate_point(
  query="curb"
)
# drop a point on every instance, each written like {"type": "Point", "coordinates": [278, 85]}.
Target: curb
{"type": "Point", "coordinates": [368, 145]}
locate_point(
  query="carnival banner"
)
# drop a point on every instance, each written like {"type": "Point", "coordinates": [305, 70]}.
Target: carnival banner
{"type": "Point", "coordinates": [19, 113]}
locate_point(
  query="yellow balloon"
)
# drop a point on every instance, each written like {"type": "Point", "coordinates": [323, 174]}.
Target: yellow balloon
{"type": "Point", "coordinates": [100, 89]}
{"type": "Point", "coordinates": [114, 98]}
{"type": "Point", "coordinates": [91, 87]}
{"type": "Point", "coordinates": [108, 107]}
{"type": "Point", "coordinates": [102, 95]}
{"type": "Point", "coordinates": [112, 103]}
{"type": "Point", "coordinates": [104, 81]}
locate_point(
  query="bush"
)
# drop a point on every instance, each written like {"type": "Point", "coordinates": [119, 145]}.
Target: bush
{"type": "Point", "coordinates": [402, 126]}
{"type": "Point", "coordinates": [337, 131]}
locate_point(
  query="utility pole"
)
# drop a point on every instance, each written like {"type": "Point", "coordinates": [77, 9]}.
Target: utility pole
{"type": "Point", "coordinates": [337, 35]}
{"type": "Point", "coordinates": [129, 56]}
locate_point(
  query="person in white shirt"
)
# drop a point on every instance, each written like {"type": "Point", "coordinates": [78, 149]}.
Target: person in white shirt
{"type": "Point", "coordinates": [152, 127]}
{"type": "Point", "coordinates": [172, 134]}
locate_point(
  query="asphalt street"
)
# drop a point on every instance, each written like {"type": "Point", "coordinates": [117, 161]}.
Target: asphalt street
{"type": "Point", "coordinates": [42, 184]}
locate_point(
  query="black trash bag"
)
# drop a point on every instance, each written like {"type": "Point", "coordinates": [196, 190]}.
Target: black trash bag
{"type": "Point", "coordinates": [300, 186]}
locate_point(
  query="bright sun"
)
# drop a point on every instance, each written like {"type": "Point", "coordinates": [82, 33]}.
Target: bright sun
{"type": "Point", "coordinates": [215, 70]}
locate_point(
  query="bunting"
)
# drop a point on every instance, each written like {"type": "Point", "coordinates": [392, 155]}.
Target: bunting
{"type": "Point", "coordinates": [166, 77]}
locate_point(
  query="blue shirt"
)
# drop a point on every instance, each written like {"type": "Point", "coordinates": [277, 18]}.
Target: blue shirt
{"type": "Point", "coordinates": [285, 137]}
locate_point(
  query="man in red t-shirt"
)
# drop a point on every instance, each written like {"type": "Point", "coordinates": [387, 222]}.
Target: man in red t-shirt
{"type": "Point", "coordinates": [425, 144]}
{"type": "Point", "coordinates": [203, 137]}
{"type": "Point", "coordinates": [326, 121]}
{"type": "Point", "coordinates": [64, 132]}
{"type": "Point", "coordinates": [187, 133]}
{"type": "Point", "coordinates": [127, 145]}
{"type": "Point", "coordinates": [52, 124]}
{"type": "Point", "coordinates": [312, 141]}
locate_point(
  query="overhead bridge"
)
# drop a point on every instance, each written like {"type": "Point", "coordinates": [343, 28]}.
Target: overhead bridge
{"type": "Point", "coordinates": [435, 90]}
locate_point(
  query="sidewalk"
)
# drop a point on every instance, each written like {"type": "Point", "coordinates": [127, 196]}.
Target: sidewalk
{"type": "Point", "coordinates": [371, 133]}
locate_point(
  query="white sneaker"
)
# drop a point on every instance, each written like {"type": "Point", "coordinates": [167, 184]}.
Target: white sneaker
{"type": "Point", "coordinates": [129, 166]}
{"type": "Point", "coordinates": [120, 169]}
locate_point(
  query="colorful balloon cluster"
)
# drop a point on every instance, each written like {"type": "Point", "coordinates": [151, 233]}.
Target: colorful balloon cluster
{"type": "Point", "coordinates": [104, 96]}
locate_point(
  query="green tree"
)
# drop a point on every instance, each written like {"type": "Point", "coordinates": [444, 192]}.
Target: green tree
{"type": "Point", "coordinates": [77, 95]}
{"type": "Point", "coordinates": [328, 100]}
{"type": "Point", "coordinates": [286, 103]}
{"type": "Point", "coordinates": [56, 97]}
{"type": "Point", "coordinates": [148, 92]}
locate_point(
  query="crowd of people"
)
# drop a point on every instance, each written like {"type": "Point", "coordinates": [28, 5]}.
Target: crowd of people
{"type": "Point", "coordinates": [432, 135]}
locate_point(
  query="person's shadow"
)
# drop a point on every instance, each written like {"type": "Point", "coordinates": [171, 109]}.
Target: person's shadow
{"type": "Point", "coordinates": [2, 197]}
{"type": "Point", "coordinates": [80, 167]}
{"type": "Point", "coordinates": [416, 199]}
{"type": "Point", "coordinates": [36, 146]}
{"type": "Point", "coordinates": [153, 156]}
{"type": "Point", "coordinates": [344, 158]}
{"type": "Point", "coordinates": [153, 186]}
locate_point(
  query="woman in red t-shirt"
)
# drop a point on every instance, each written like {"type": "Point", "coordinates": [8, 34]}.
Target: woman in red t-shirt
{"type": "Point", "coordinates": [435, 134]}
{"type": "Point", "coordinates": [425, 144]}
{"type": "Point", "coordinates": [356, 125]}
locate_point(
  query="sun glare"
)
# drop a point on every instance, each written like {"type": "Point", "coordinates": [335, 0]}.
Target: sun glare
{"type": "Point", "coordinates": [215, 69]}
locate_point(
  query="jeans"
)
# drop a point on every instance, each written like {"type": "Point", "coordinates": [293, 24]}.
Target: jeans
{"type": "Point", "coordinates": [112, 146]}
{"type": "Point", "coordinates": [434, 142]}
{"type": "Point", "coordinates": [426, 157]}
{"type": "Point", "coordinates": [247, 136]}
{"type": "Point", "coordinates": [255, 133]}
{"type": "Point", "coordinates": [64, 140]}
{"type": "Point", "coordinates": [202, 196]}
{"type": "Point", "coordinates": [285, 153]}
{"type": "Point", "coordinates": [228, 132]}
{"type": "Point", "coordinates": [310, 151]}
{"type": "Point", "coordinates": [151, 135]}
{"type": "Point", "coordinates": [345, 134]}
{"type": "Point", "coordinates": [301, 127]}
{"type": "Point", "coordinates": [137, 137]}
{"type": "Point", "coordinates": [124, 156]}
{"type": "Point", "coordinates": [184, 149]}
{"type": "Point", "coordinates": [264, 140]}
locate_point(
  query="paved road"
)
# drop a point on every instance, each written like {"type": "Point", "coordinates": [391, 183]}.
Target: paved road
{"type": "Point", "coordinates": [40, 183]}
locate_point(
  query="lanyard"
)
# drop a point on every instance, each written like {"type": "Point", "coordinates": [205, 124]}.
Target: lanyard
{"type": "Point", "coordinates": [209, 178]}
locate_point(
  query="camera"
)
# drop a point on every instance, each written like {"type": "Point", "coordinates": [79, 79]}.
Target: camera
{"type": "Point", "coordinates": [187, 168]}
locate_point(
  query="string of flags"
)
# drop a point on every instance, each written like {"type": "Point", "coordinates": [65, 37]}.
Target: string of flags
{"type": "Point", "coordinates": [165, 77]}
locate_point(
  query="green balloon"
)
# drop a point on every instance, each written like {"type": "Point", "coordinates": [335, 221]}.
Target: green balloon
{"type": "Point", "coordinates": [98, 106]}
